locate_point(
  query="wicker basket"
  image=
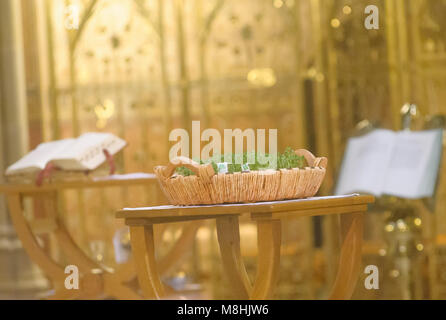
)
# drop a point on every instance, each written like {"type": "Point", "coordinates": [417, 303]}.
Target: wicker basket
{"type": "Point", "coordinates": [207, 187]}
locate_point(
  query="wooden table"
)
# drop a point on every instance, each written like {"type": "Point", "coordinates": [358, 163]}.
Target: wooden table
{"type": "Point", "coordinates": [269, 217]}
{"type": "Point", "coordinates": [96, 280]}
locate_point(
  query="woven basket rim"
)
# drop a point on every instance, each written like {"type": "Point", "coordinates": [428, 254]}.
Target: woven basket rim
{"type": "Point", "coordinates": [209, 187]}
{"type": "Point", "coordinates": [206, 171]}
{"type": "Point", "coordinates": [176, 175]}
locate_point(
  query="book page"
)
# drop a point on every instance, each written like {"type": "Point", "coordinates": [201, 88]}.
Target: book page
{"type": "Point", "coordinates": [37, 159]}
{"type": "Point", "coordinates": [414, 164]}
{"type": "Point", "coordinates": [86, 153]}
{"type": "Point", "coordinates": [365, 163]}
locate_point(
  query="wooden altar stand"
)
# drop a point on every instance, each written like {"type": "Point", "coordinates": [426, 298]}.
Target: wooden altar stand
{"type": "Point", "coordinates": [96, 280]}
{"type": "Point", "coordinates": [269, 217]}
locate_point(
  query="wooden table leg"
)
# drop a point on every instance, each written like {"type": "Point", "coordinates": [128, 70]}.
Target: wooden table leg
{"type": "Point", "coordinates": [143, 247]}
{"type": "Point", "coordinates": [350, 258]}
{"type": "Point", "coordinates": [29, 242]}
{"type": "Point", "coordinates": [229, 240]}
{"type": "Point", "coordinates": [269, 241]}
{"type": "Point", "coordinates": [269, 238]}
{"type": "Point", "coordinates": [119, 283]}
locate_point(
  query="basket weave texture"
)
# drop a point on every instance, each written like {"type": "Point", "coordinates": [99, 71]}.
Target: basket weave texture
{"type": "Point", "coordinates": [207, 187]}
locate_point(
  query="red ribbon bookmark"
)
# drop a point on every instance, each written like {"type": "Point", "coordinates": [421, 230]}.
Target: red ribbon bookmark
{"type": "Point", "coordinates": [45, 173]}
{"type": "Point", "coordinates": [110, 160]}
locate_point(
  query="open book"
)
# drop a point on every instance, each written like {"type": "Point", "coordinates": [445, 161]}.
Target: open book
{"type": "Point", "coordinates": [81, 154]}
{"type": "Point", "coordinates": [403, 164]}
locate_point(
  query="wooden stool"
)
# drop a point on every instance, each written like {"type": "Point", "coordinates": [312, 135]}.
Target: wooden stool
{"type": "Point", "coordinates": [269, 217]}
